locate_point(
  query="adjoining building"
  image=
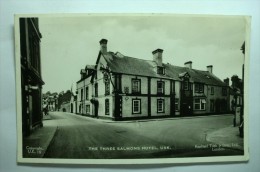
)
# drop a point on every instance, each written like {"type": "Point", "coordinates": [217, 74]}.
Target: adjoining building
{"type": "Point", "coordinates": [121, 87]}
{"type": "Point", "coordinates": [50, 101]}
{"type": "Point", "coordinates": [85, 91]}
{"type": "Point", "coordinates": [31, 79]}
{"type": "Point", "coordinates": [67, 102]}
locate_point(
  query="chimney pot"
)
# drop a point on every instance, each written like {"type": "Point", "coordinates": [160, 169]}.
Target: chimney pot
{"type": "Point", "coordinates": [188, 64]}
{"type": "Point", "coordinates": [210, 68]}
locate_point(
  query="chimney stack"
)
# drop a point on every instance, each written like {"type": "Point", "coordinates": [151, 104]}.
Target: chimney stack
{"type": "Point", "coordinates": [236, 81]}
{"type": "Point", "coordinates": [210, 68]}
{"type": "Point", "coordinates": [157, 56]}
{"type": "Point", "coordinates": [188, 64]}
{"type": "Point", "coordinates": [226, 81]}
{"type": "Point", "coordinates": [103, 46]}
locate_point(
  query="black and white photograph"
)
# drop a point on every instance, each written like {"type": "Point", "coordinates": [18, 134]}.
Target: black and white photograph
{"type": "Point", "coordinates": [132, 88]}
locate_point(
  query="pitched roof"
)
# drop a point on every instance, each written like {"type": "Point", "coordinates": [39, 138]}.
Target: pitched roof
{"type": "Point", "coordinates": [119, 63]}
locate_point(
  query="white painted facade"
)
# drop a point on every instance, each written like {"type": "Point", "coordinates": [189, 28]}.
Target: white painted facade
{"type": "Point", "coordinates": [125, 96]}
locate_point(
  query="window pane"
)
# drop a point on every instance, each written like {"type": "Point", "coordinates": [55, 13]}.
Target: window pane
{"type": "Point", "coordinates": [107, 107]}
{"type": "Point", "coordinates": [197, 106]}
{"type": "Point", "coordinates": [136, 106]}
{"type": "Point", "coordinates": [160, 87]}
{"type": "Point", "coordinates": [81, 94]}
{"type": "Point", "coordinates": [212, 90]}
{"type": "Point", "coordinates": [160, 70]}
{"type": "Point", "coordinates": [107, 88]}
{"type": "Point", "coordinates": [196, 88]}
{"type": "Point", "coordinates": [200, 88]}
{"type": "Point", "coordinates": [202, 106]}
{"type": "Point", "coordinates": [88, 108]}
{"type": "Point", "coordinates": [135, 86]}
{"type": "Point", "coordinates": [160, 105]}
{"type": "Point", "coordinates": [87, 93]}
{"type": "Point", "coordinates": [176, 107]}
{"type": "Point", "coordinates": [96, 89]}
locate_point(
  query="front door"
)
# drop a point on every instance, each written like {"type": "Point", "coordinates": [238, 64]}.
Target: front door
{"type": "Point", "coordinates": [71, 107]}
{"type": "Point", "coordinates": [118, 107]}
{"type": "Point", "coordinates": [212, 104]}
{"type": "Point", "coordinates": [186, 108]}
{"type": "Point", "coordinates": [96, 109]}
{"type": "Point", "coordinates": [186, 103]}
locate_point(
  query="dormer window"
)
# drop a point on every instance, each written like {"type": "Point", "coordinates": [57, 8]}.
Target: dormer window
{"type": "Point", "coordinates": [199, 88]}
{"type": "Point", "coordinates": [160, 70]}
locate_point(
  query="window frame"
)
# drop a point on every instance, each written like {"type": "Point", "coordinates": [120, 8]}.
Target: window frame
{"type": "Point", "coordinates": [160, 70]}
{"type": "Point", "coordinates": [87, 93]}
{"type": "Point", "coordinates": [139, 104]}
{"type": "Point", "coordinates": [139, 86]}
{"type": "Point", "coordinates": [163, 106]}
{"type": "Point", "coordinates": [81, 94]}
{"type": "Point", "coordinates": [107, 88]}
{"type": "Point", "coordinates": [87, 109]}
{"type": "Point", "coordinates": [212, 90]}
{"type": "Point", "coordinates": [163, 87]}
{"type": "Point", "coordinates": [200, 103]}
{"type": "Point", "coordinates": [96, 89]}
{"type": "Point", "coordinates": [107, 108]}
{"type": "Point", "coordinates": [176, 102]}
{"type": "Point", "coordinates": [199, 88]}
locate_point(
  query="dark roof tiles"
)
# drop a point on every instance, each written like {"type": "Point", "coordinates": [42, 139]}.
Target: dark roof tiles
{"type": "Point", "coordinates": [119, 63]}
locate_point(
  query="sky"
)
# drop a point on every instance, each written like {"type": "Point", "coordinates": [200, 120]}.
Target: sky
{"type": "Point", "coordinates": [69, 43]}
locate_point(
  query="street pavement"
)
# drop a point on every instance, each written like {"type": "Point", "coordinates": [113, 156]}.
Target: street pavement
{"type": "Point", "coordinates": [83, 137]}
{"type": "Point", "coordinates": [35, 145]}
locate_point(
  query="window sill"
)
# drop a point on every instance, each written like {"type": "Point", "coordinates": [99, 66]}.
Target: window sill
{"type": "Point", "coordinates": [136, 113]}
{"type": "Point", "coordinates": [160, 94]}
{"type": "Point", "coordinates": [160, 112]}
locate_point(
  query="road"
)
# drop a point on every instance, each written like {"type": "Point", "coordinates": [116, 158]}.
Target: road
{"type": "Point", "coordinates": [84, 137]}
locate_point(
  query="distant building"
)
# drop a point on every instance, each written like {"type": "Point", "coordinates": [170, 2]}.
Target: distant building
{"type": "Point", "coordinates": [31, 79]}
{"type": "Point", "coordinates": [121, 87]}
{"type": "Point", "coordinates": [66, 102]}
{"type": "Point", "coordinates": [73, 104]}
{"type": "Point", "coordinates": [85, 91]}
{"type": "Point", "coordinates": [50, 100]}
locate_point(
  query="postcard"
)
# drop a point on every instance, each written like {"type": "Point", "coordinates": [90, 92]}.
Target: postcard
{"type": "Point", "coordinates": [131, 88]}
